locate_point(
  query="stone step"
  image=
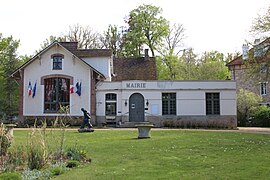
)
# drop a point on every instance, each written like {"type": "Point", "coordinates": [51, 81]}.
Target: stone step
{"type": "Point", "coordinates": [131, 124]}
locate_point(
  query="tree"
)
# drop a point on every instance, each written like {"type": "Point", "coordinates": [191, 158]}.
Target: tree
{"type": "Point", "coordinates": [173, 67]}
{"type": "Point", "coordinates": [261, 24]}
{"type": "Point", "coordinates": [146, 27]}
{"type": "Point", "coordinates": [8, 88]}
{"type": "Point", "coordinates": [86, 37]}
{"type": "Point", "coordinates": [48, 41]}
{"type": "Point", "coordinates": [174, 40]}
{"type": "Point", "coordinates": [246, 103]}
{"type": "Point", "coordinates": [212, 66]}
{"type": "Point", "coordinates": [112, 39]}
{"type": "Point", "coordinates": [167, 67]}
{"type": "Point", "coordinates": [188, 66]}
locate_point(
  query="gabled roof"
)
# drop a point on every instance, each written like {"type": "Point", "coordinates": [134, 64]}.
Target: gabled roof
{"type": "Point", "coordinates": [77, 53]}
{"type": "Point", "coordinates": [239, 60]}
{"type": "Point", "coordinates": [141, 68]}
{"type": "Point", "coordinates": [72, 47]}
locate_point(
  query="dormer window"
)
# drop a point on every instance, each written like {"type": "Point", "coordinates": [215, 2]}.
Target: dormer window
{"type": "Point", "coordinates": [57, 61]}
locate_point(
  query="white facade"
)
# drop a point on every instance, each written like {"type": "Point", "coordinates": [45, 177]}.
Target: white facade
{"type": "Point", "coordinates": [190, 97]}
{"type": "Point", "coordinates": [102, 64]}
{"type": "Point", "coordinates": [71, 66]}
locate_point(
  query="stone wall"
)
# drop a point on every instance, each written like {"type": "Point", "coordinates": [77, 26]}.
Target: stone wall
{"type": "Point", "coordinates": [248, 81]}
{"type": "Point", "coordinates": [215, 122]}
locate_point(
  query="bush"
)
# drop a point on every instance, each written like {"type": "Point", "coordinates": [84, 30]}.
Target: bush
{"type": "Point", "coordinates": [11, 176]}
{"type": "Point", "coordinates": [262, 117]}
{"type": "Point", "coordinates": [72, 163]}
{"type": "Point", "coordinates": [5, 143]}
{"type": "Point", "coordinates": [247, 101]}
{"type": "Point", "coordinates": [76, 153]}
{"type": "Point", "coordinates": [57, 169]}
{"type": "Point", "coordinates": [35, 174]}
{"type": "Point", "coordinates": [35, 158]}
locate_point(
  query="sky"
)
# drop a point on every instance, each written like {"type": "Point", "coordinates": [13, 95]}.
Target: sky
{"type": "Point", "coordinates": [221, 25]}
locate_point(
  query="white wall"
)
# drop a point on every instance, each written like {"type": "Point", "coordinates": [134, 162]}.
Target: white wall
{"type": "Point", "coordinates": [102, 64]}
{"type": "Point", "coordinates": [190, 96]}
{"type": "Point", "coordinates": [76, 68]}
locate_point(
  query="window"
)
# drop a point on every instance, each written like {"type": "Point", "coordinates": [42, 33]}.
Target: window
{"type": "Point", "coordinates": [110, 108]}
{"type": "Point", "coordinates": [212, 104]}
{"type": "Point", "coordinates": [263, 68]}
{"type": "Point", "coordinates": [56, 93]}
{"type": "Point", "coordinates": [263, 88]}
{"type": "Point", "coordinates": [57, 61]}
{"type": "Point", "coordinates": [168, 103]}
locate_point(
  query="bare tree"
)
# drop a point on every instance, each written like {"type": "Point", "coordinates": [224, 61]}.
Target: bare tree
{"type": "Point", "coordinates": [86, 37]}
{"type": "Point", "coordinates": [112, 39]}
{"type": "Point", "coordinates": [174, 40]}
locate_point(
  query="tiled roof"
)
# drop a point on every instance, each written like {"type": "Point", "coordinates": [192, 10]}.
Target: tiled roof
{"type": "Point", "coordinates": [239, 61]}
{"type": "Point", "coordinates": [134, 69]}
{"type": "Point", "coordinates": [72, 46]}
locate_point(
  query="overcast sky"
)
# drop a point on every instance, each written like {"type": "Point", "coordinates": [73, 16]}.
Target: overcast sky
{"type": "Point", "coordinates": [221, 25]}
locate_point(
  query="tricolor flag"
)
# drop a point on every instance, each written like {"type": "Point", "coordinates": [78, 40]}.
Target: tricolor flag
{"type": "Point", "coordinates": [29, 89]}
{"type": "Point", "coordinates": [71, 90]}
{"type": "Point", "coordinates": [34, 90]}
{"type": "Point", "coordinates": [79, 88]}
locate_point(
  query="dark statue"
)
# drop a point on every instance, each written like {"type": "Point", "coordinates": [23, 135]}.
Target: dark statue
{"type": "Point", "coordinates": [86, 121]}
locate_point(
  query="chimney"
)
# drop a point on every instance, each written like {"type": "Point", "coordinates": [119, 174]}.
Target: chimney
{"type": "Point", "coordinates": [146, 56]}
{"type": "Point", "coordinates": [245, 51]}
{"type": "Point", "coordinates": [72, 46]}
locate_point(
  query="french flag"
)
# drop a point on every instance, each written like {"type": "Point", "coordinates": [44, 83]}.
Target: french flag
{"type": "Point", "coordinates": [29, 89]}
{"type": "Point", "coordinates": [34, 90]}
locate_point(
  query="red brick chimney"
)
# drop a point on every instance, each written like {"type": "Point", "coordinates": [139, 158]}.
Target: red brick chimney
{"type": "Point", "coordinates": [72, 46]}
{"type": "Point", "coordinates": [146, 55]}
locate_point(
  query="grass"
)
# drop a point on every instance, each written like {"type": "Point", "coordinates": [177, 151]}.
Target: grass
{"type": "Point", "coordinates": [169, 154]}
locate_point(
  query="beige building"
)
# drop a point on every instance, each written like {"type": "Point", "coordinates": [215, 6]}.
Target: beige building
{"type": "Point", "coordinates": [251, 69]}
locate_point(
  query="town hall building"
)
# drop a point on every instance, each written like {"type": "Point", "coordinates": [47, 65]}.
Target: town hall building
{"type": "Point", "coordinates": [117, 91]}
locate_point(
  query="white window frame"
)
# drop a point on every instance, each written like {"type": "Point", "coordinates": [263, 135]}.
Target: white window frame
{"type": "Point", "coordinates": [263, 88]}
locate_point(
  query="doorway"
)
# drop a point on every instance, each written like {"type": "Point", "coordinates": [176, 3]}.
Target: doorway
{"type": "Point", "coordinates": [136, 108]}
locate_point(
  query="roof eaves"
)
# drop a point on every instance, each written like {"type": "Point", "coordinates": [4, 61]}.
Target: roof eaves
{"type": "Point", "coordinates": [33, 58]}
{"type": "Point", "coordinates": [44, 50]}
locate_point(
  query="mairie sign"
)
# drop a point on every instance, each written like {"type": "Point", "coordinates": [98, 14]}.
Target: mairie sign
{"type": "Point", "coordinates": [135, 85]}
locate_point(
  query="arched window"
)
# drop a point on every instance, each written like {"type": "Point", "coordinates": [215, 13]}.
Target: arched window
{"type": "Point", "coordinates": [56, 93]}
{"type": "Point", "coordinates": [111, 101]}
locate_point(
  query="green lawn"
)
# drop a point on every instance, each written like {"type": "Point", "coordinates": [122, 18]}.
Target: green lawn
{"type": "Point", "coordinates": [169, 154]}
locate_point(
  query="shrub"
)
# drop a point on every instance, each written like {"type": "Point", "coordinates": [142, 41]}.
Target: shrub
{"type": "Point", "coordinates": [57, 169]}
{"type": "Point", "coordinates": [5, 143]}
{"type": "Point", "coordinates": [35, 158]}
{"type": "Point", "coordinates": [16, 158]}
{"type": "Point", "coordinates": [246, 102]}
{"type": "Point", "coordinates": [72, 163]}
{"type": "Point", "coordinates": [262, 117]}
{"type": "Point", "coordinates": [11, 176]}
{"type": "Point", "coordinates": [37, 149]}
{"type": "Point", "coordinates": [35, 174]}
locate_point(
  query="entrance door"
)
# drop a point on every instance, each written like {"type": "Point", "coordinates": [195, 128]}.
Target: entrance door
{"type": "Point", "coordinates": [136, 108]}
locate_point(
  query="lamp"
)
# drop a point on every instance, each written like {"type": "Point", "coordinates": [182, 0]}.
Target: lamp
{"type": "Point", "coordinates": [147, 103]}
{"type": "Point", "coordinates": [125, 102]}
